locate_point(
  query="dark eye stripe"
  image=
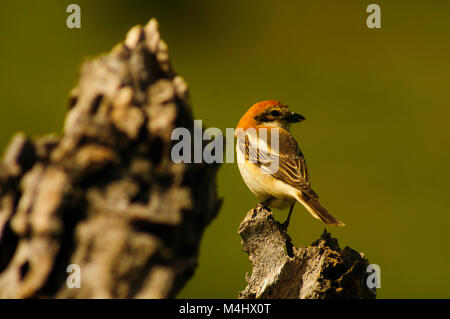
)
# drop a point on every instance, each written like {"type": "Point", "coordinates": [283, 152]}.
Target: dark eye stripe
{"type": "Point", "coordinates": [268, 116]}
{"type": "Point", "coordinates": [262, 118]}
{"type": "Point", "coordinates": [275, 113]}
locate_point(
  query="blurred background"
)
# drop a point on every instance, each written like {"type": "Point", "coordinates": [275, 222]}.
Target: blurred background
{"type": "Point", "coordinates": [377, 104]}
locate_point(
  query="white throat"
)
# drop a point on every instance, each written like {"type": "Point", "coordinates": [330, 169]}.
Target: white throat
{"type": "Point", "coordinates": [278, 124]}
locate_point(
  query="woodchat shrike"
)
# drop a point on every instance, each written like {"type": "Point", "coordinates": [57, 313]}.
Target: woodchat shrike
{"type": "Point", "coordinates": [289, 182]}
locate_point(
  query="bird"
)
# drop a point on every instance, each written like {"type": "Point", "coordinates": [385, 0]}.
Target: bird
{"type": "Point", "coordinates": [256, 152]}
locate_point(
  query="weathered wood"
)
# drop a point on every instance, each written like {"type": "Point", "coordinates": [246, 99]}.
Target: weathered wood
{"type": "Point", "coordinates": [280, 270]}
{"type": "Point", "coordinates": [106, 195]}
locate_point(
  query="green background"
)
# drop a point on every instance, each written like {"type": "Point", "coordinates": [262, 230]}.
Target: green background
{"type": "Point", "coordinates": [376, 101]}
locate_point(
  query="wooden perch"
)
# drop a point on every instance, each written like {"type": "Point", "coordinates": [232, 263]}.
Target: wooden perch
{"type": "Point", "coordinates": [280, 270]}
{"type": "Point", "coordinates": [106, 196]}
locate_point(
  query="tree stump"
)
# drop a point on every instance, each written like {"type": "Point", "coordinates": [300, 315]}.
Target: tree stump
{"type": "Point", "coordinates": [280, 270]}
{"type": "Point", "coordinates": [106, 196]}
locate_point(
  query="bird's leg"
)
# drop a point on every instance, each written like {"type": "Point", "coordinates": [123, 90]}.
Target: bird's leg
{"type": "Point", "coordinates": [286, 223]}
{"type": "Point", "coordinates": [265, 203]}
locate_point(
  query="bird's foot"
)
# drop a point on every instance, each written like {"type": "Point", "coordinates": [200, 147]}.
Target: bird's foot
{"type": "Point", "coordinates": [264, 206]}
{"type": "Point", "coordinates": [265, 203]}
{"type": "Point", "coordinates": [285, 225]}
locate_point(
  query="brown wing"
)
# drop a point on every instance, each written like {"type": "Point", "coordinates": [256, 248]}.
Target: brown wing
{"type": "Point", "coordinates": [292, 167]}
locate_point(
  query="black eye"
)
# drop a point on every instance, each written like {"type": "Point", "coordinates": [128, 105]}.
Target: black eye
{"type": "Point", "coordinates": [275, 113]}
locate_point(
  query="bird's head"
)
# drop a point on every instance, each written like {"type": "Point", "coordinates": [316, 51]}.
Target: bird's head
{"type": "Point", "coordinates": [269, 114]}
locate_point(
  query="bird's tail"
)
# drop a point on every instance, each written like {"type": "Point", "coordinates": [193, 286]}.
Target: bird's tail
{"type": "Point", "coordinates": [318, 211]}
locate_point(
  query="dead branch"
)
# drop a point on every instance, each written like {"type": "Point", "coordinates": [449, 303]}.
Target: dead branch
{"type": "Point", "coordinates": [106, 196]}
{"type": "Point", "coordinates": [280, 270]}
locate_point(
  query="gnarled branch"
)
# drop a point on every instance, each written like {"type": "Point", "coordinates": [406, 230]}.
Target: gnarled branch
{"type": "Point", "coordinates": [106, 196]}
{"type": "Point", "coordinates": [280, 270]}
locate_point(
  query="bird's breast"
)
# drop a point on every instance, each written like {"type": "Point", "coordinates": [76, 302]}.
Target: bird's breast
{"type": "Point", "coordinates": [264, 185]}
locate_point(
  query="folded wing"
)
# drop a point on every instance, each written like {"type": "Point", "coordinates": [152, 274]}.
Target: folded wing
{"type": "Point", "coordinates": [292, 167]}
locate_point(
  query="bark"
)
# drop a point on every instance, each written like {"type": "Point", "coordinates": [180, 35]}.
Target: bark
{"type": "Point", "coordinates": [280, 270]}
{"type": "Point", "coordinates": [106, 195]}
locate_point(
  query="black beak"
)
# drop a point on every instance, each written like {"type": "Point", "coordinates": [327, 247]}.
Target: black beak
{"type": "Point", "coordinates": [294, 118]}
